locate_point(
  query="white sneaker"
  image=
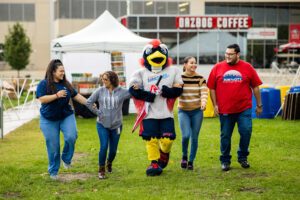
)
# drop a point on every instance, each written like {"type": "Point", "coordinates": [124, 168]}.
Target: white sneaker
{"type": "Point", "coordinates": [54, 177]}
{"type": "Point", "coordinates": [66, 166]}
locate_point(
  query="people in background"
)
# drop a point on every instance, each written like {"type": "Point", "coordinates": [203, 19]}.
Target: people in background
{"type": "Point", "coordinates": [191, 105]}
{"type": "Point", "coordinates": [110, 98]}
{"type": "Point", "coordinates": [231, 83]}
{"type": "Point", "coordinates": [56, 114]}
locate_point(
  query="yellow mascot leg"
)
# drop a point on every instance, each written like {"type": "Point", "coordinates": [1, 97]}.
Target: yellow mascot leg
{"type": "Point", "coordinates": [165, 148]}
{"type": "Point", "coordinates": [153, 155]}
{"type": "Point", "coordinates": [165, 144]}
{"type": "Point", "coordinates": [153, 149]}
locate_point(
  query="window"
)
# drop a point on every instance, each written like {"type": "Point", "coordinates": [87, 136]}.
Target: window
{"type": "Point", "coordinates": [76, 9]}
{"type": "Point", "coordinates": [148, 23]}
{"type": "Point", "coordinates": [172, 8]}
{"type": "Point", "coordinates": [56, 10]}
{"type": "Point", "coordinates": [167, 23]}
{"type": "Point", "coordinates": [258, 15]}
{"type": "Point", "coordinates": [283, 15]}
{"type": "Point", "coordinates": [271, 15]}
{"type": "Point", "coordinates": [4, 9]}
{"type": "Point", "coordinates": [161, 7]}
{"type": "Point", "coordinates": [100, 7]}
{"type": "Point", "coordinates": [123, 8]}
{"type": "Point", "coordinates": [184, 7]}
{"type": "Point", "coordinates": [149, 35]}
{"type": "Point", "coordinates": [132, 22]}
{"type": "Point", "coordinates": [29, 14]}
{"type": "Point", "coordinates": [149, 7]}
{"type": "Point", "coordinates": [136, 7]}
{"type": "Point", "coordinates": [113, 7]}
{"type": "Point", "coordinates": [88, 9]}
{"type": "Point", "coordinates": [16, 12]}
{"type": "Point", "coordinates": [64, 9]}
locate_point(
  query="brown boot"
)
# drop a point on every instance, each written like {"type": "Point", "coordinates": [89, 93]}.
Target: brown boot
{"type": "Point", "coordinates": [109, 167]}
{"type": "Point", "coordinates": [101, 173]}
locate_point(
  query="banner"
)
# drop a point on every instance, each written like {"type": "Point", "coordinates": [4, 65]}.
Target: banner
{"type": "Point", "coordinates": [213, 22]}
{"type": "Point", "coordinates": [262, 34]}
{"type": "Point", "coordinates": [294, 33]}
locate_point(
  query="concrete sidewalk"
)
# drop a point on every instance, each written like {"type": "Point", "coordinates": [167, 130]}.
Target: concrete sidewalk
{"type": "Point", "coordinates": [16, 117]}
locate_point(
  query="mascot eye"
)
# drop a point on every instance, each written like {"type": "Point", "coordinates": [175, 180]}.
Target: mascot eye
{"type": "Point", "coordinates": [148, 51]}
{"type": "Point", "coordinates": [164, 49]}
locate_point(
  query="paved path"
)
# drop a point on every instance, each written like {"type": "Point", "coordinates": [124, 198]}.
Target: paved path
{"type": "Point", "coordinates": [14, 118]}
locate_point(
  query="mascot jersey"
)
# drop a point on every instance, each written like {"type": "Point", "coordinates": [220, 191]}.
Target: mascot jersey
{"type": "Point", "coordinates": [145, 79]}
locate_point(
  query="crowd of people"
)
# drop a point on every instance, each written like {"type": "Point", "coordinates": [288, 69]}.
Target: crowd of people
{"type": "Point", "coordinates": [230, 84]}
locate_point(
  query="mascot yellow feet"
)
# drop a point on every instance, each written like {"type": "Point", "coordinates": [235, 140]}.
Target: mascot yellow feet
{"type": "Point", "coordinates": [153, 154]}
{"type": "Point", "coordinates": [159, 154]}
{"type": "Point", "coordinates": [154, 169]}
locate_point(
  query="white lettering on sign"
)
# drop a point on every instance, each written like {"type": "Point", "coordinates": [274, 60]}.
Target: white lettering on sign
{"type": "Point", "coordinates": [232, 23]}
{"type": "Point", "coordinates": [195, 22]}
{"type": "Point", "coordinates": [212, 22]}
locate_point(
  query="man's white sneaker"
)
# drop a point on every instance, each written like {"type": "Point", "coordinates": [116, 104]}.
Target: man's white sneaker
{"type": "Point", "coordinates": [66, 166]}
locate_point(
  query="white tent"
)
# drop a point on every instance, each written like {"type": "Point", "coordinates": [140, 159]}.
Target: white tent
{"type": "Point", "coordinates": [209, 44]}
{"type": "Point", "coordinates": [105, 34]}
{"type": "Point", "coordinates": [88, 50]}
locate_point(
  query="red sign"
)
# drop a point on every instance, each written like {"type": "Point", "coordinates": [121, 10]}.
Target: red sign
{"type": "Point", "coordinates": [214, 22]}
{"type": "Point", "coordinates": [294, 33]}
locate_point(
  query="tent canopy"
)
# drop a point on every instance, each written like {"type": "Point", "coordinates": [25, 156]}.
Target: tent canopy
{"type": "Point", "coordinates": [208, 44]}
{"type": "Point", "coordinates": [105, 34]}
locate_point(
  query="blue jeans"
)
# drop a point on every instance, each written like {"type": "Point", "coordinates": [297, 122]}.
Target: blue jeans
{"type": "Point", "coordinates": [190, 123]}
{"type": "Point", "coordinates": [244, 122]}
{"type": "Point", "coordinates": [51, 131]}
{"type": "Point", "coordinates": [108, 138]}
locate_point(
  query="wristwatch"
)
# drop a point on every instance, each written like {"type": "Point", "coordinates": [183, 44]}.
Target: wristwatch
{"type": "Point", "coordinates": [259, 106]}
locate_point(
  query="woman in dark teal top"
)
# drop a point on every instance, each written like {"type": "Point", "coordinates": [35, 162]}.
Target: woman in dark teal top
{"type": "Point", "coordinates": [54, 92]}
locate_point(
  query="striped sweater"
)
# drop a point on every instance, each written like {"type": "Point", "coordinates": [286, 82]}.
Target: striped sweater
{"type": "Point", "coordinates": [194, 94]}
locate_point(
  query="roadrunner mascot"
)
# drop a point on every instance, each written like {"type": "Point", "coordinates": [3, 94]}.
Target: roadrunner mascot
{"type": "Point", "coordinates": [155, 88]}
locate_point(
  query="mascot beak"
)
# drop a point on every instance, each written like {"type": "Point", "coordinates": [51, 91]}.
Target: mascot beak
{"type": "Point", "coordinates": [157, 59]}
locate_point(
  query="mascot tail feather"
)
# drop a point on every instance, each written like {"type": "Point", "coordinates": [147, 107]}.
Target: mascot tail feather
{"type": "Point", "coordinates": [170, 103]}
{"type": "Point", "coordinates": [141, 112]}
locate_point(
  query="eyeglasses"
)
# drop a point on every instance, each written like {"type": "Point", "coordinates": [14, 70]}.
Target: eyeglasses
{"type": "Point", "coordinates": [230, 54]}
{"type": "Point", "coordinates": [105, 79]}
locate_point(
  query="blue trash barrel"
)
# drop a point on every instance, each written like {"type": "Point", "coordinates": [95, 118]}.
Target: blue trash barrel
{"type": "Point", "coordinates": [270, 98]}
{"type": "Point", "coordinates": [295, 89]}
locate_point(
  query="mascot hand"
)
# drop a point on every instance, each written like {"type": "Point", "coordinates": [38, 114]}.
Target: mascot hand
{"type": "Point", "coordinates": [155, 90]}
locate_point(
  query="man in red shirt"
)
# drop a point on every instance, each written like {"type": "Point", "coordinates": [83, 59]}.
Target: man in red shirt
{"type": "Point", "coordinates": [231, 83]}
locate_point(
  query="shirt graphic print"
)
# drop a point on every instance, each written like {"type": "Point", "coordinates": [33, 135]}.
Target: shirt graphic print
{"type": "Point", "coordinates": [232, 76]}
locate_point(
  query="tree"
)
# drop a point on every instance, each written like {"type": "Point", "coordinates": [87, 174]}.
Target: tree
{"type": "Point", "coordinates": [17, 48]}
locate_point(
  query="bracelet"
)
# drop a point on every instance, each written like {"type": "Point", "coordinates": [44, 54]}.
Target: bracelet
{"type": "Point", "coordinates": [259, 106]}
{"type": "Point", "coordinates": [56, 95]}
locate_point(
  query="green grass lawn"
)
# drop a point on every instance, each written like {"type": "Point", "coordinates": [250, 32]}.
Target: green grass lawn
{"type": "Point", "coordinates": [274, 172]}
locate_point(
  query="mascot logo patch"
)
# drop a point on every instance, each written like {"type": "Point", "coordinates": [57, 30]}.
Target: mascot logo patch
{"type": "Point", "coordinates": [232, 76]}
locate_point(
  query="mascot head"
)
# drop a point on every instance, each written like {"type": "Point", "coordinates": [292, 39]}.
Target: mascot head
{"type": "Point", "coordinates": [155, 56]}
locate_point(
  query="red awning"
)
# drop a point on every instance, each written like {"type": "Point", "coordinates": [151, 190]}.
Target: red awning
{"type": "Point", "coordinates": [291, 45]}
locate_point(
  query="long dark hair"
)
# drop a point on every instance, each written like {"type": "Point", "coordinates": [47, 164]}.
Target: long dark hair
{"type": "Point", "coordinates": [52, 67]}
{"type": "Point", "coordinates": [186, 60]}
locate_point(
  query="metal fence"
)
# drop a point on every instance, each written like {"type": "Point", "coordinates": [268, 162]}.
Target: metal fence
{"type": "Point", "coordinates": [16, 106]}
{"type": "Point", "coordinates": [1, 120]}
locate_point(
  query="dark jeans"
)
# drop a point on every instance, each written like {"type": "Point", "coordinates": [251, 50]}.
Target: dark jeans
{"type": "Point", "coordinates": [108, 139]}
{"type": "Point", "coordinates": [244, 122]}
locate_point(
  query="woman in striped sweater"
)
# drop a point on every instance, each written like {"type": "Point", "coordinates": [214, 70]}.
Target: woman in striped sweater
{"type": "Point", "coordinates": [191, 105]}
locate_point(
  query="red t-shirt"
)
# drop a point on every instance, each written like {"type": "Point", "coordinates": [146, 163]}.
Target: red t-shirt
{"type": "Point", "coordinates": [233, 85]}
